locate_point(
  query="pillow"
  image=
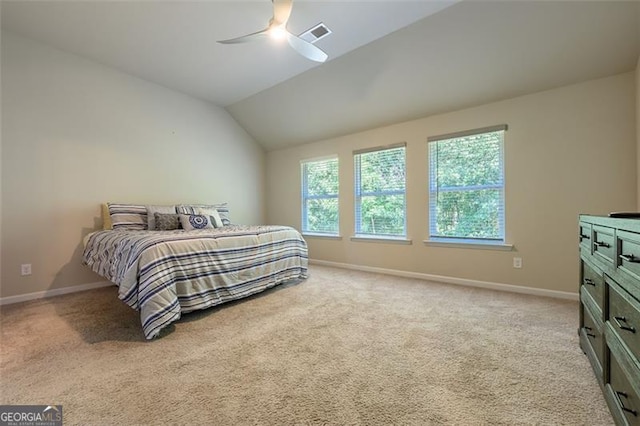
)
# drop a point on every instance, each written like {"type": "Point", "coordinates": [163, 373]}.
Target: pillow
{"type": "Point", "coordinates": [216, 221]}
{"type": "Point", "coordinates": [106, 218]}
{"type": "Point", "coordinates": [152, 210]}
{"type": "Point", "coordinates": [128, 216]}
{"type": "Point", "coordinates": [196, 221]}
{"type": "Point", "coordinates": [222, 209]}
{"type": "Point", "coordinates": [166, 222]}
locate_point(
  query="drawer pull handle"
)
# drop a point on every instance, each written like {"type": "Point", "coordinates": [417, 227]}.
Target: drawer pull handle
{"type": "Point", "coordinates": [630, 258]}
{"type": "Point", "coordinates": [589, 281]}
{"type": "Point", "coordinates": [619, 320]}
{"type": "Point", "coordinates": [601, 244]}
{"type": "Point", "coordinates": [586, 237]}
{"type": "Point", "coordinates": [628, 410]}
{"type": "Point", "coordinates": [588, 329]}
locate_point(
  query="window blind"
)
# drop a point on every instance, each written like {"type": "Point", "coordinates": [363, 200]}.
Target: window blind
{"type": "Point", "coordinates": [320, 184]}
{"type": "Point", "coordinates": [466, 185]}
{"type": "Point", "coordinates": [380, 201]}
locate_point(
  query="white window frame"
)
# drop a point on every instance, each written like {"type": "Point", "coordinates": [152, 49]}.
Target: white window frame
{"type": "Point", "coordinates": [358, 194]}
{"type": "Point", "coordinates": [473, 242]}
{"type": "Point", "coordinates": [305, 197]}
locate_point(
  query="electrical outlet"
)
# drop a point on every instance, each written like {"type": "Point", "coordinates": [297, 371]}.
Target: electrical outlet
{"type": "Point", "coordinates": [25, 269]}
{"type": "Point", "coordinates": [517, 262]}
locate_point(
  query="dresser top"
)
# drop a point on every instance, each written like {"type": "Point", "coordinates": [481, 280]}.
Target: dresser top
{"type": "Point", "coordinates": [628, 224]}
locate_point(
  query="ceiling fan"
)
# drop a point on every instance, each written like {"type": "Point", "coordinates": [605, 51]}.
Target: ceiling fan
{"type": "Point", "coordinates": [277, 29]}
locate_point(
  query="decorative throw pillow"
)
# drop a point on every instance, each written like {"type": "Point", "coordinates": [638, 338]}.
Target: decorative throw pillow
{"type": "Point", "coordinates": [166, 222]}
{"type": "Point", "coordinates": [222, 208]}
{"type": "Point", "coordinates": [212, 213]}
{"type": "Point", "coordinates": [196, 221]}
{"type": "Point", "coordinates": [152, 210]}
{"type": "Point", "coordinates": [128, 216]}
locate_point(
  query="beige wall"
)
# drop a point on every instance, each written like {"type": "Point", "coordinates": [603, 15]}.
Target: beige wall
{"type": "Point", "coordinates": [0, 164]}
{"type": "Point", "coordinates": [638, 125]}
{"type": "Point", "coordinates": [567, 151]}
{"type": "Point", "coordinates": [76, 134]}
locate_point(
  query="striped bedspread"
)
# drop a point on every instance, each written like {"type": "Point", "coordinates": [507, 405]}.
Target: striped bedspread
{"type": "Point", "coordinates": [165, 273]}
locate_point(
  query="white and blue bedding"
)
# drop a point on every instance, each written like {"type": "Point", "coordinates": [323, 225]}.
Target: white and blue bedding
{"type": "Point", "coordinates": [165, 273]}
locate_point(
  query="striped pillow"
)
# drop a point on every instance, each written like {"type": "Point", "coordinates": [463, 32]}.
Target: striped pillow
{"type": "Point", "coordinates": [128, 216]}
{"type": "Point", "coordinates": [222, 209]}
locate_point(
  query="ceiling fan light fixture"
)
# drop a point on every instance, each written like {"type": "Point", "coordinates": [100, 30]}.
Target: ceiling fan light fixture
{"type": "Point", "coordinates": [277, 29]}
{"type": "Point", "coordinates": [278, 32]}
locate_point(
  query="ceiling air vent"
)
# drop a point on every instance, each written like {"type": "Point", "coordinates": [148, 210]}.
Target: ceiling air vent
{"type": "Point", "coordinates": [316, 33]}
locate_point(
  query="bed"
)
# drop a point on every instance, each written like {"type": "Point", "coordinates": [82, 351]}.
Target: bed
{"type": "Point", "coordinates": [164, 273]}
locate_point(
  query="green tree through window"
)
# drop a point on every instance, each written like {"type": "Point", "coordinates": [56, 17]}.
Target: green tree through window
{"type": "Point", "coordinates": [466, 186]}
{"type": "Point", "coordinates": [380, 192]}
{"type": "Point", "coordinates": [320, 209]}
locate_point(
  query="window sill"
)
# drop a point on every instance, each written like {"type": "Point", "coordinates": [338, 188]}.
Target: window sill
{"type": "Point", "coordinates": [469, 244]}
{"type": "Point", "coordinates": [379, 239]}
{"type": "Point", "coordinates": [322, 236]}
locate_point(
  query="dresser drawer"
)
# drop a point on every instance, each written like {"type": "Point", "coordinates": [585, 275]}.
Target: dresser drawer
{"type": "Point", "coordinates": [609, 311]}
{"type": "Point", "coordinates": [603, 243]}
{"type": "Point", "coordinates": [629, 253]}
{"type": "Point", "coordinates": [621, 394]}
{"type": "Point", "coordinates": [585, 237]}
{"type": "Point", "coordinates": [593, 284]}
{"type": "Point", "coordinates": [591, 335]}
{"type": "Point", "coordinates": [624, 316]}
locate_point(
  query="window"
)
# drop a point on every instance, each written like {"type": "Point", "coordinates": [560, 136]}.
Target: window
{"type": "Point", "coordinates": [320, 196]}
{"type": "Point", "coordinates": [466, 186]}
{"type": "Point", "coordinates": [380, 192]}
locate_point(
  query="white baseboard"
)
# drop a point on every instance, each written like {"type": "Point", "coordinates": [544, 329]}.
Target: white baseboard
{"type": "Point", "coordinates": [395, 272]}
{"type": "Point", "coordinates": [452, 280]}
{"type": "Point", "coordinates": [54, 292]}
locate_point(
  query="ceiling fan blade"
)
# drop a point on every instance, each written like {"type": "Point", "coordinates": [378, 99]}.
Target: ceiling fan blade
{"type": "Point", "coordinates": [306, 49]}
{"type": "Point", "coordinates": [281, 11]}
{"type": "Point", "coordinates": [277, 28]}
{"type": "Point", "coordinates": [246, 38]}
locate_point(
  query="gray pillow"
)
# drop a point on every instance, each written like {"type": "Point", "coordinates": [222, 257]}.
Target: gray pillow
{"type": "Point", "coordinates": [166, 222]}
{"type": "Point", "coordinates": [152, 210]}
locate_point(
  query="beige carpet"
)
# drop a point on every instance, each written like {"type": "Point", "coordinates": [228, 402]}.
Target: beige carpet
{"type": "Point", "coordinates": [341, 348]}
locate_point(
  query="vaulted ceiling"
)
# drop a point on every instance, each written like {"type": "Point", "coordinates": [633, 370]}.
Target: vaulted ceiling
{"type": "Point", "coordinates": [389, 61]}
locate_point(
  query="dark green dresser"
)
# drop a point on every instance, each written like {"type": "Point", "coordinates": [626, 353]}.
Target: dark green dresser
{"type": "Point", "coordinates": [610, 310]}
